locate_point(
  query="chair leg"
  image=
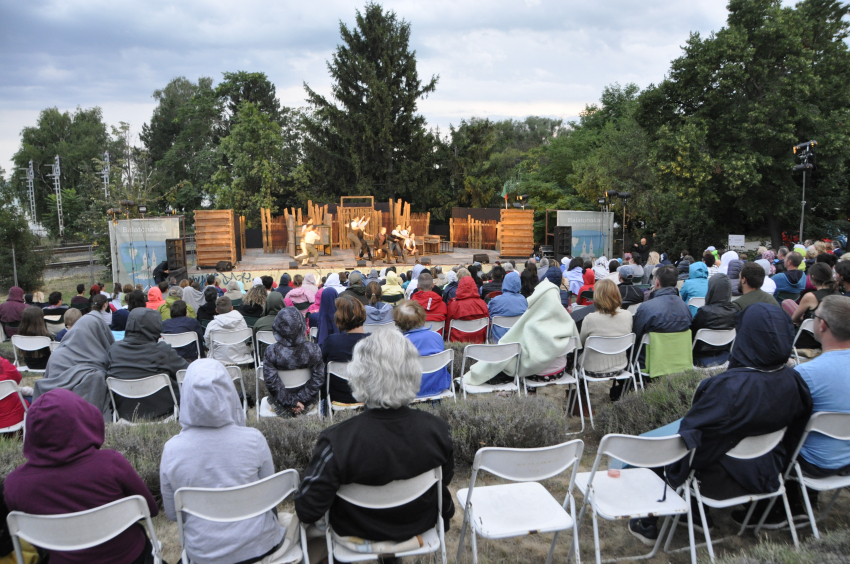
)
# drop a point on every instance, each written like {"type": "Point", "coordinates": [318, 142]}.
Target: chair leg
{"type": "Point", "coordinates": [671, 533]}
{"type": "Point", "coordinates": [804, 491]}
{"type": "Point", "coordinates": [589, 408]}
{"type": "Point", "coordinates": [462, 534]}
{"type": "Point", "coordinates": [552, 548]}
{"type": "Point", "coordinates": [830, 504]}
{"type": "Point", "coordinates": [703, 521]}
{"type": "Point", "coordinates": [576, 527]}
{"type": "Point", "coordinates": [474, 545]}
{"type": "Point", "coordinates": [790, 518]}
{"type": "Point", "coordinates": [596, 537]}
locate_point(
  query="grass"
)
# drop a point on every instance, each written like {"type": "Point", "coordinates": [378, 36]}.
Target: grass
{"type": "Point", "coordinates": [832, 548]}
{"type": "Point", "coordinates": [68, 285]}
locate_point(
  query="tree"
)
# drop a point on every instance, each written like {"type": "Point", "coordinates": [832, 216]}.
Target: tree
{"type": "Point", "coordinates": [16, 234]}
{"type": "Point", "coordinates": [370, 140]}
{"type": "Point", "coordinates": [242, 86]}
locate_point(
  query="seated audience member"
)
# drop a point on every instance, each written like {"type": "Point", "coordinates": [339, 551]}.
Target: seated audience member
{"type": "Point", "coordinates": [179, 322]}
{"type": "Point", "coordinates": [194, 296]}
{"type": "Point", "coordinates": [116, 298]}
{"type": "Point", "coordinates": [528, 281]}
{"type": "Point", "coordinates": [439, 277]}
{"type": "Point", "coordinates": [392, 287]}
{"type": "Point", "coordinates": [613, 276]}
{"type": "Point", "coordinates": [274, 303]}
{"type": "Point", "coordinates": [413, 280]}
{"type": "Point", "coordinates": [510, 304]}
{"type": "Point", "coordinates": [71, 317]}
{"type": "Point", "coordinates": [54, 304]}
{"type": "Point", "coordinates": [552, 273]}
{"type": "Point", "coordinates": [349, 318]}
{"type": "Point", "coordinates": [792, 281]}
{"type": "Point", "coordinates": [36, 299]}
{"type": "Point", "coordinates": [696, 286]}
{"type": "Point", "coordinates": [449, 288]}
{"type": "Point", "coordinates": [233, 292]}
{"type": "Point", "coordinates": [305, 289]}
{"type": "Point", "coordinates": [356, 289]}
{"type": "Point", "coordinates": [32, 325]}
{"type": "Point", "coordinates": [710, 263]}
{"type": "Point", "coordinates": [600, 268]}
{"type": "Point", "coordinates": [267, 282]}
{"type": "Point", "coordinates": [227, 319]}
{"type": "Point", "coordinates": [842, 275]}
{"type": "Point", "coordinates": [575, 276]}
{"type": "Point", "coordinates": [378, 312]}
{"type": "Point", "coordinates": [717, 313]}
{"type": "Point", "coordinates": [388, 441]}
{"type": "Point", "coordinates": [749, 288]}
{"type": "Point", "coordinates": [609, 320]}
{"type": "Point", "coordinates": [466, 306]}
{"type": "Point", "coordinates": [63, 445]}
{"type": "Point", "coordinates": [12, 309]}
{"type": "Point", "coordinates": [11, 409]}
{"type": "Point", "coordinates": [324, 318]}
{"type": "Point", "coordinates": [80, 298]}
{"type": "Point", "coordinates": [155, 300]}
{"type": "Point", "coordinates": [100, 306]}
{"type": "Point", "coordinates": [629, 294]}
{"type": "Point", "coordinates": [213, 283]}
{"type": "Point", "coordinates": [79, 364]}
{"type": "Point", "coordinates": [142, 354]}
{"type": "Point", "coordinates": [825, 285]}
{"type": "Point", "coordinates": [254, 302]}
{"type": "Point", "coordinates": [495, 285]}
{"type": "Point", "coordinates": [769, 285]}
{"type": "Point", "coordinates": [683, 271]}
{"type": "Point", "coordinates": [664, 311]}
{"type": "Point", "coordinates": [725, 260]}
{"type": "Point", "coordinates": [589, 278]}
{"type": "Point", "coordinates": [207, 311]}
{"type": "Point", "coordinates": [767, 396]}
{"type": "Point", "coordinates": [292, 352]}
{"type": "Point", "coordinates": [213, 427]}
{"type": "Point", "coordinates": [119, 318]}
{"type": "Point", "coordinates": [435, 309]}
{"type": "Point", "coordinates": [175, 293]}
{"type": "Point", "coordinates": [283, 288]}
{"type": "Point", "coordinates": [410, 317]}
{"type": "Point", "coordinates": [637, 268]}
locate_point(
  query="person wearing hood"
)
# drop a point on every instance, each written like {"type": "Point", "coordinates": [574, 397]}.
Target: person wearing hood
{"type": "Point", "coordinates": [629, 295]}
{"type": "Point", "coordinates": [283, 288]}
{"type": "Point", "coordinates": [734, 273]}
{"type": "Point", "coordinates": [664, 312]}
{"type": "Point", "coordinates": [769, 285]}
{"type": "Point", "coordinates": [154, 299]}
{"type": "Point", "coordinates": [575, 275]}
{"type": "Point", "coordinates": [349, 318]}
{"type": "Point", "coordinates": [233, 292]}
{"type": "Point", "coordinates": [435, 309]}
{"type": "Point", "coordinates": [589, 278]}
{"type": "Point", "coordinates": [227, 319]}
{"type": "Point", "coordinates": [67, 471]}
{"type": "Point", "coordinates": [356, 289]}
{"type": "Point", "coordinates": [410, 318]}
{"type": "Point", "coordinates": [292, 351]}
{"type": "Point", "coordinates": [372, 277]}
{"type": "Point", "coordinates": [717, 313]}
{"type": "Point", "coordinates": [333, 282]}
{"type": "Point", "coordinates": [466, 306]}
{"type": "Point", "coordinates": [207, 311]}
{"type": "Point", "coordinates": [274, 303]}
{"type": "Point", "coordinates": [600, 268]}
{"type": "Point", "coordinates": [510, 304]}
{"type": "Point", "coordinates": [212, 430]}
{"type": "Point", "coordinates": [175, 293]}
{"type": "Point", "coordinates": [757, 395]}
{"type": "Point", "coordinates": [450, 287]}
{"type": "Point", "coordinates": [142, 354]}
{"type": "Point", "coordinates": [542, 268]}
{"type": "Point", "coordinates": [439, 278]}
{"type": "Point", "coordinates": [553, 274]}
{"type": "Point", "coordinates": [665, 260]}
{"type": "Point", "coordinates": [726, 259]}
{"type": "Point", "coordinates": [179, 322]}
{"type": "Point", "coordinates": [377, 312]}
{"type": "Point", "coordinates": [392, 287]}
{"type": "Point", "coordinates": [793, 280]}
{"type": "Point", "coordinates": [683, 269]}
{"type": "Point", "coordinates": [414, 280]}
{"type": "Point", "coordinates": [193, 296]}
{"type": "Point", "coordinates": [12, 309]}
{"type": "Point", "coordinates": [305, 291]}
{"type": "Point", "coordinates": [325, 317]}
{"type": "Point", "coordinates": [696, 285]}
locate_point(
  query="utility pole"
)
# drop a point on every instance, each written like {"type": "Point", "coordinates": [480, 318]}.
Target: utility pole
{"type": "Point", "coordinates": [105, 175]}
{"type": "Point", "coordinates": [31, 191]}
{"type": "Point", "coordinates": [14, 262]}
{"type": "Point", "coordinates": [57, 171]}
{"type": "Point", "coordinates": [806, 152]}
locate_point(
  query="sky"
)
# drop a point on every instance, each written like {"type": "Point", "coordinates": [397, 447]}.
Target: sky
{"type": "Point", "coordinates": [498, 59]}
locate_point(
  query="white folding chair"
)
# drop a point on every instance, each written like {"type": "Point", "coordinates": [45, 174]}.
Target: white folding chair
{"type": "Point", "coordinates": [437, 326]}
{"type": "Point", "coordinates": [81, 530]}
{"type": "Point", "coordinates": [54, 345]}
{"type": "Point", "coordinates": [378, 328]}
{"type": "Point", "coordinates": [265, 338]}
{"type": "Point", "coordinates": [696, 302]}
{"type": "Point", "coordinates": [432, 363]}
{"type": "Point", "coordinates": [568, 378]}
{"type": "Point", "coordinates": [637, 492]}
{"type": "Point", "coordinates": [468, 326]}
{"type": "Point", "coordinates": [177, 340]}
{"type": "Point", "coordinates": [835, 426]}
{"type": "Point", "coordinates": [747, 449]}
{"type": "Point", "coordinates": [238, 503]}
{"type": "Point", "coordinates": [393, 494]}
{"type": "Point", "coordinates": [606, 346]}
{"type": "Point", "coordinates": [715, 338]}
{"type": "Point", "coordinates": [515, 510]}
{"type": "Point", "coordinates": [314, 333]}
{"type": "Point", "coordinates": [340, 370]}
{"type": "Point", "coordinates": [502, 321]}
{"type": "Point", "coordinates": [806, 325]}
{"type": "Point", "coordinates": [7, 388]}
{"type": "Point", "coordinates": [491, 353]}
{"type": "Point", "coordinates": [234, 337]}
{"type": "Point", "coordinates": [28, 344]}
{"type": "Point", "coordinates": [139, 388]}
{"type": "Point", "coordinates": [235, 374]}
{"type": "Point", "coordinates": [633, 308]}
{"type": "Point", "coordinates": [290, 379]}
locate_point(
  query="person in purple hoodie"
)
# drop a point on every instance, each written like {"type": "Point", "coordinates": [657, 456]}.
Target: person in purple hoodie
{"type": "Point", "coordinates": [64, 434]}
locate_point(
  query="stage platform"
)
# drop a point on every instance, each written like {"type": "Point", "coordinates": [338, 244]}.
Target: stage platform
{"type": "Point", "coordinates": [256, 263]}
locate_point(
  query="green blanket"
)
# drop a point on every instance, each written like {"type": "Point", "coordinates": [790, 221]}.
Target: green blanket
{"type": "Point", "coordinates": [543, 332]}
{"type": "Point", "coordinates": [669, 353]}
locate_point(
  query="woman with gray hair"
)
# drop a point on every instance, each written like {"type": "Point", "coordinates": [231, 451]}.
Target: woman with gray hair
{"type": "Point", "coordinates": [387, 442]}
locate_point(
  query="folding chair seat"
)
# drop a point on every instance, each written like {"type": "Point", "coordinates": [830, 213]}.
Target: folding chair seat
{"type": "Point", "coordinates": [637, 492]}
{"type": "Point", "coordinates": [514, 510]}
{"type": "Point", "coordinates": [806, 325]}
{"type": "Point", "coordinates": [502, 321]}
{"type": "Point", "coordinates": [28, 344]}
{"type": "Point", "coordinates": [177, 340]}
{"type": "Point", "coordinates": [607, 346]}
{"type": "Point", "coordinates": [140, 388]}
{"type": "Point", "coordinates": [340, 370]}
{"type": "Point", "coordinates": [7, 388]}
{"type": "Point", "coordinates": [432, 363]}
{"type": "Point", "coordinates": [491, 353]}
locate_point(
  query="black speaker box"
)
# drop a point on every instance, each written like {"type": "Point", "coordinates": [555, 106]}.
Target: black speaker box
{"type": "Point", "coordinates": [424, 260]}
{"type": "Point", "coordinates": [224, 266]}
{"type": "Point", "coordinates": [175, 251]}
{"type": "Point", "coordinates": [563, 242]}
{"type": "Point", "coordinates": [293, 264]}
{"type": "Point", "coordinates": [483, 258]}
{"type": "Point", "coordinates": [361, 263]}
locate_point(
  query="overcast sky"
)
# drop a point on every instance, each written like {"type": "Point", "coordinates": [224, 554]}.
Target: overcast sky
{"type": "Point", "coordinates": [495, 59]}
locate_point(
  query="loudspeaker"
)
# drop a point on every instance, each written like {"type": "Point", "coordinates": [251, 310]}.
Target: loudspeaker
{"type": "Point", "coordinates": [294, 264]}
{"type": "Point", "coordinates": [224, 266]}
{"type": "Point", "coordinates": [361, 263]}
{"type": "Point", "coordinates": [175, 253]}
{"type": "Point", "coordinates": [424, 260]}
{"type": "Point", "coordinates": [483, 258]}
{"type": "Point", "coordinates": [563, 242]}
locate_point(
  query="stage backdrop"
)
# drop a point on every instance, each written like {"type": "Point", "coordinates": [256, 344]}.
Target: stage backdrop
{"type": "Point", "coordinates": [138, 245]}
{"type": "Point", "coordinates": [593, 232]}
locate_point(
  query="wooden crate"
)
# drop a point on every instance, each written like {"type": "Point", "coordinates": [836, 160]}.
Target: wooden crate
{"type": "Point", "coordinates": [517, 233]}
{"type": "Point", "coordinates": [215, 236]}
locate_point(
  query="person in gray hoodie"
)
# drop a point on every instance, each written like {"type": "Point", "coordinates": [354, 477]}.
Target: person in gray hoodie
{"type": "Point", "coordinates": [216, 450]}
{"type": "Point", "coordinates": [228, 319]}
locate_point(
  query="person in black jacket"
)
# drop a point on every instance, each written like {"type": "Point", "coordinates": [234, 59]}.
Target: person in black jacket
{"type": "Point", "coordinates": [717, 313]}
{"type": "Point", "coordinates": [181, 323]}
{"type": "Point", "coordinates": [628, 292]}
{"type": "Point", "coordinates": [388, 441]}
{"type": "Point", "coordinates": [207, 311]}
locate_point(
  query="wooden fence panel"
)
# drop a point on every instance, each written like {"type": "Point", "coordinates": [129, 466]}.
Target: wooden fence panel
{"type": "Point", "coordinates": [517, 233]}
{"type": "Point", "coordinates": [215, 236]}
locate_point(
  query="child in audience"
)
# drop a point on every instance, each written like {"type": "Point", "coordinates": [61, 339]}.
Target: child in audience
{"type": "Point", "coordinates": [71, 317]}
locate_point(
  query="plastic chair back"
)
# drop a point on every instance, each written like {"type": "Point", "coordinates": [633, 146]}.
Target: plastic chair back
{"type": "Point", "coordinates": [338, 369]}
{"type": "Point", "coordinates": [644, 452]}
{"type": "Point", "coordinates": [503, 321]}
{"type": "Point", "coordinates": [250, 321]}
{"type": "Point", "coordinates": [237, 503]}
{"type": "Point", "coordinates": [715, 337]}
{"type": "Point", "coordinates": [753, 447]}
{"type": "Point", "coordinates": [696, 302]}
{"type": "Point", "coordinates": [433, 362]}
{"type": "Point", "coordinates": [609, 345]}
{"type": "Point", "coordinates": [295, 378]}
{"type": "Point", "coordinates": [30, 344]}
{"type": "Point", "coordinates": [437, 326]}
{"type": "Point", "coordinates": [9, 387]}
{"type": "Point", "coordinates": [231, 337]}
{"type": "Point", "coordinates": [140, 387]}
{"type": "Point", "coordinates": [469, 325]}
{"type": "Point", "coordinates": [378, 328]}
{"type": "Point", "coordinates": [394, 494]}
{"type": "Point", "coordinates": [177, 340]}
{"type": "Point", "coordinates": [492, 353]}
{"type": "Point", "coordinates": [181, 375]}
{"type": "Point", "coordinates": [833, 425]}
{"type": "Point", "coordinates": [528, 464]}
{"type": "Point", "coordinates": [265, 337]}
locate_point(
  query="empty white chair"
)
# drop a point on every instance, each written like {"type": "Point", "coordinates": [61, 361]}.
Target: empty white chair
{"type": "Point", "coordinates": [502, 321]}
{"type": "Point", "coordinates": [290, 379]}
{"type": "Point", "coordinates": [378, 328]}
{"type": "Point", "coordinates": [139, 388]}
{"type": "Point", "coordinates": [340, 370]}
{"type": "Point", "coordinates": [218, 338]}
{"type": "Point", "coordinates": [177, 340]}
{"type": "Point", "coordinates": [7, 388]}
{"type": "Point", "coordinates": [696, 302]}
{"type": "Point", "coordinates": [492, 353]}
{"type": "Point", "coordinates": [81, 530]}
{"type": "Point", "coordinates": [637, 492]}
{"type": "Point", "coordinates": [468, 326]}
{"type": "Point", "coordinates": [606, 346]}
{"type": "Point", "coordinates": [394, 494]}
{"type": "Point", "coordinates": [28, 344]}
{"type": "Point", "coordinates": [512, 510]}
{"type": "Point", "coordinates": [434, 362]}
{"type": "Point", "coordinates": [238, 503]}
{"type": "Point", "coordinates": [806, 325]}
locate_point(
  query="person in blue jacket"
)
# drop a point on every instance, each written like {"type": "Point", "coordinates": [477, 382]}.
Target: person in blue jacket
{"type": "Point", "coordinates": [696, 286]}
{"type": "Point", "coordinates": [510, 304]}
{"type": "Point", "coordinates": [793, 280]}
{"type": "Point", "coordinates": [409, 317]}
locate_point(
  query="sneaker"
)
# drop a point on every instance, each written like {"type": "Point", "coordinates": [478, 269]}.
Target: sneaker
{"type": "Point", "coordinates": [647, 533]}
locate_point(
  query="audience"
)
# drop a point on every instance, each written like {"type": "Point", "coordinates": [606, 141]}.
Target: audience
{"type": "Point", "coordinates": [254, 302]}
{"type": "Point", "coordinates": [80, 298]}
{"type": "Point", "coordinates": [119, 319]}
{"type": "Point", "coordinates": [435, 309]}
{"type": "Point", "coordinates": [283, 288]}
{"type": "Point", "coordinates": [589, 278]}
{"type": "Point", "coordinates": [71, 317]}
{"type": "Point", "coordinates": [510, 304]}
{"type": "Point", "coordinates": [609, 320]}
{"type": "Point", "coordinates": [495, 285]}
{"type": "Point", "coordinates": [194, 296]}
{"type": "Point", "coordinates": [629, 294]}
{"type": "Point", "coordinates": [717, 313]}
{"type": "Point", "coordinates": [749, 288]}
{"type": "Point", "coordinates": [449, 288]}
{"type": "Point", "coordinates": [664, 311]}
{"type": "Point", "coordinates": [233, 292]}
{"type": "Point", "coordinates": [100, 306]}
{"type": "Point", "coordinates": [11, 409]}
{"type": "Point", "coordinates": [32, 325]}
{"type": "Point", "coordinates": [179, 322]}
{"type": "Point", "coordinates": [356, 289]}
{"type": "Point", "coordinates": [175, 293]}
{"type": "Point", "coordinates": [207, 311]}
{"type": "Point", "coordinates": [842, 276]}
{"type": "Point", "coordinates": [696, 286]}
{"type": "Point", "coordinates": [349, 318]}
{"type": "Point", "coordinates": [11, 310]}
{"type": "Point", "coordinates": [227, 319]}
{"type": "Point", "coordinates": [155, 300]}
{"type": "Point", "coordinates": [324, 318]}
{"type": "Point", "coordinates": [274, 303]}
{"type": "Point", "coordinates": [552, 273]}
{"type": "Point", "coordinates": [528, 281]}
{"type": "Point", "coordinates": [304, 291]}
{"type": "Point", "coordinates": [388, 441]}
{"type": "Point", "coordinates": [411, 319]}
{"type": "Point", "coordinates": [466, 306]}
{"type": "Point", "coordinates": [292, 352]}
{"type": "Point", "coordinates": [792, 281]}
{"type": "Point", "coordinates": [377, 312]}
{"type": "Point", "coordinates": [393, 286]}
{"type": "Point", "coordinates": [575, 275]}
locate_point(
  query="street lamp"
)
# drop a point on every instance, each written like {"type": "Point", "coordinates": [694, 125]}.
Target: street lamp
{"type": "Point", "coordinates": [624, 196]}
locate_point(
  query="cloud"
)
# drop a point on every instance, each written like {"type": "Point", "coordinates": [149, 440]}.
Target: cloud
{"type": "Point", "coordinates": [497, 58]}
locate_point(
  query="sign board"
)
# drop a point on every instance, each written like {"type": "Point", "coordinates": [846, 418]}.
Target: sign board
{"type": "Point", "coordinates": [593, 232]}
{"type": "Point", "coordinates": [138, 246]}
{"type": "Point", "coordinates": [737, 242]}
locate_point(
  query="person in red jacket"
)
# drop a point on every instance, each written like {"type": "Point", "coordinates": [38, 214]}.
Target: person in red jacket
{"type": "Point", "coordinates": [431, 301]}
{"type": "Point", "coordinates": [467, 305]}
{"type": "Point", "coordinates": [589, 280]}
{"type": "Point", "coordinates": [11, 410]}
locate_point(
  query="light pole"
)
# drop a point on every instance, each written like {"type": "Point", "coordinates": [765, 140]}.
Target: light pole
{"type": "Point", "coordinates": [807, 155]}
{"type": "Point", "coordinates": [624, 196]}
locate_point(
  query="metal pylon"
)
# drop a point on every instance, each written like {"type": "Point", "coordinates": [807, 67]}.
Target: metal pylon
{"type": "Point", "coordinates": [105, 175]}
{"type": "Point", "coordinates": [31, 191]}
{"type": "Point", "coordinates": [55, 174]}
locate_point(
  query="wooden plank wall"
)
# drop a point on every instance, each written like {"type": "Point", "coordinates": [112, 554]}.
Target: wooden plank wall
{"type": "Point", "coordinates": [474, 234]}
{"type": "Point", "coordinates": [215, 236]}
{"type": "Point", "coordinates": [517, 233]}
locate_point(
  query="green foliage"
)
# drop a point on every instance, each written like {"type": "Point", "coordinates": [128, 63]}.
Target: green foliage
{"type": "Point", "coordinates": [15, 233]}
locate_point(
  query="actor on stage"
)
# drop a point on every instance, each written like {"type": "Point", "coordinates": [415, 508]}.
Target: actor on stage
{"type": "Point", "coordinates": [309, 238]}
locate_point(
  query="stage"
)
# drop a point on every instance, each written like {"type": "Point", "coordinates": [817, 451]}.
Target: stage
{"type": "Point", "coordinates": [256, 263]}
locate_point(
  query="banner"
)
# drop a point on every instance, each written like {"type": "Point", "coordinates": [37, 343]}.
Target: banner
{"type": "Point", "coordinates": [593, 232]}
{"type": "Point", "coordinates": [138, 246]}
